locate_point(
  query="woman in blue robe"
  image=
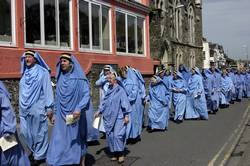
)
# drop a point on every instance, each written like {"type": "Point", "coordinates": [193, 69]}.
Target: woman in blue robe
{"type": "Point", "coordinates": [231, 74]}
{"type": "Point", "coordinates": [131, 85]}
{"type": "Point", "coordinates": [185, 72]}
{"type": "Point", "coordinates": [179, 90]}
{"type": "Point", "coordinates": [243, 78]}
{"type": "Point", "coordinates": [103, 83]}
{"type": "Point", "coordinates": [168, 79]}
{"type": "Point", "coordinates": [68, 144]}
{"type": "Point", "coordinates": [115, 108]}
{"type": "Point", "coordinates": [196, 102]}
{"type": "Point", "coordinates": [142, 97]}
{"type": "Point", "coordinates": [35, 104]}
{"type": "Point", "coordinates": [226, 87]}
{"type": "Point", "coordinates": [158, 104]}
{"type": "Point", "coordinates": [14, 156]}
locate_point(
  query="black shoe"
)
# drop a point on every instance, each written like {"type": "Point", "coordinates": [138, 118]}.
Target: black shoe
{"type": "Point", "coordinates": [31, 158]}
{"type": "Point", "coordinates": [38, 162]}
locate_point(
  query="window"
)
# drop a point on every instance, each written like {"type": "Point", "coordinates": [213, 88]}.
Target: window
{"type": "Point", "coordinates": [178, 19]}
{"type": "Point", "coordinates": [47, 22]}
{"type": "Point", "coordinates": [129, 33]}
{"type": "Point", "coordinates": [94, 25]}
{"type": "Point", "coordinates": [191, 24]}
{"type": "Point", "coordinates": [7, 26]}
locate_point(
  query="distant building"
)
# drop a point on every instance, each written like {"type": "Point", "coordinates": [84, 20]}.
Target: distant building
{"type": "Point", "coordinates": [218, 54]}
{"type": "Point", "coordinates": [176, 32]}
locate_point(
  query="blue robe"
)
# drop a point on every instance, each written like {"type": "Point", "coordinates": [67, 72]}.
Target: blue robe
{"type": "Point", "coordinates": [248, 84]}
{"type": "Point", "coordinates": [69, 142]}
{"type": "Point", "coordinates": [243, 78]}
{"type": "Point", "coordinates": [186, 74]}
{"type": "Point", "coordinates": [179, 98]}
{"type": "Point", "coordinates": [239, 86]}
{"type": "Point", "coordinates": [215, 97]}
{"type": "Point", "coordinates": [114, 107]}
{"type": "Point", "coordinates": [232, 76]}
{"type": "Point", "coordinates": [102, 82]}
{"type": "Point", "coordinates": [167, 80]}
{"type": "Point", "coordinates": [35, 100]}
{"type": "Point", "coordinates": [196, 102]}
{"type": "Point", "coordinates": [158, 107]}
{"type": "Point", "coordinates": [209, 87]}
{"type": "Point", "coordinates": [226, 87]}
{"type": "Point", "coordinates": [141, 96]}
{"type": "Point", "coordinates": [14, 156]}
{"type": "Point", "coordinates": [131, 86]}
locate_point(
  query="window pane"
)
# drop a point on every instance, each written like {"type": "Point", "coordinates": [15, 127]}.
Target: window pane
{"type": "Point", "coordinates": [95, 26]}
{"type": "Point", "coordinates": [5, 17]}
{"type": "Point", "coordinates": [120, 32]}
{"type": "Point", "coordinates": [32, 14]}
{"type": "Point", "coordinates": [50, 22]}
{"type": "Point", "coordinates": [84, 23]}
{"type": "Point", "coordinates": [131, 34]}
{"type": "Point", "coordinates": [64, 23]}
{"type": "Point", "coordinates": [140, 35]}
{"type": "Point", "coordinates": [105, 28]}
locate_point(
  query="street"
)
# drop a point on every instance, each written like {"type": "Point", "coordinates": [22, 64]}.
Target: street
{"type": "Point", "coordinates": [192, 143]}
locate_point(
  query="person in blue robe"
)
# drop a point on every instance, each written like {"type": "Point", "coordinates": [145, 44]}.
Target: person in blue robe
{"type": "Point", "coordinates": [231, 74]}
{"type": "Point", "coordinates": [226, 87]}
{"type": "Point", "coordinates": [239, 86]}
{"type": "Point", "coordinates": [14, 156]}
{"type": "Point", "coordinates": [243, 78]}
{"type": "Point", "coordinates": [196, 107]}
{"type": "Point", "coordinates": [158, 105]}
{"type": "Point", "coordinates": [68, 144]}
{"type": "Point", "coordinates": [185, 72]}
{"type": "Point", "coordinates": [142, 98]}
{"type": "Point", "coordinates": [115, 108]}
{"type": "Point", "coordinates": [167, 79]}
{"type": "Point", "coordinates": [131, 85]}
{"type": "Point", "coordinates": [209, 86]}
{"type": "Point", "coordinates": [215, 74]}
{"type": "Point", "coordinates": [103, 84]}
{"type": "Point", "coordinates": [35, 104]}
{"type": "Point", "coordinates": [179, 90]}
{"type": "Point", "coordinates": [248, 82]}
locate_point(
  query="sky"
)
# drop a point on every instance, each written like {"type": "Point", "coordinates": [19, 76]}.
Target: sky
{"type": "Point", "coordinates": [227, 22]}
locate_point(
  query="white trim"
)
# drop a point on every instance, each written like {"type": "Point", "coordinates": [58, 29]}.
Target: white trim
{"type": "Point", "coordinates": [136, 35]}
{"type": "Point", "coordinates": [12, 43]}
{"type": "Point", "coordinates": [130, 54]}
{"type": "Point", "coordinates": [43, 44]}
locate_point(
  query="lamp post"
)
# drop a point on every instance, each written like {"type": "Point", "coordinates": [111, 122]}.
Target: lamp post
{"type": "Point", "coordinates": [245, 47]}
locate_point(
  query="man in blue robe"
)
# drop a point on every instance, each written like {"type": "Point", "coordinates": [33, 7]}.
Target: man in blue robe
{"type": "Point", "coordinates": [131, 85]}
{"type": "Point", "coordinates": [167, 79]}
{"type": "Point", "coordinates": [231, 74]}
{"type": "Point", "coordinates": [103, 84]}
{"type": "Point", "coordinates": [14, 156]}
{"type": "Point", "coordinates": [179, 90]}
{"type": "Point", "coordinates": [226, 87]}
{"type": "Point", "coordinates": [115, 108]}
{"type": "Point", "coordinates": [35, 104]}
{"type": "Point", "coordinates": [69, 135]}
{"type": "Point", "coordinates": [248, 82]}
{"type": "Point", "coordinates": [196, 107]}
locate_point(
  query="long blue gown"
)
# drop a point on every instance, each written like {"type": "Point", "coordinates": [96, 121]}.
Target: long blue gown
{"type": "Point", "coordinates": [248, 83]}
{"type": "Point", "coordinates": [114, 107]}
{"type": "Point", "coordinates": [141, 96]}
{"type": "Point", "coordinates": [35, 99]}
{"type": "Point", "coordinates": [131, 86]}
{"type": "Point", "coordinates": [196, 102]}
{"type": "Point", "coordinates": [14, 156]}
{"type": "Point", "coordinates": [103, 84]}
{"type": "Point", "coordinates": [158, 108]}
{"type": "Point", "coordinates": [69, 142]}
{"type": "Point", "coordinates": [179, 98]}
{"type": "Point", "coordinates": [185, 72]}
{"type": "Point", "coordinates": [226, 88]}
{"type": "Point", "coordinates": [232, 76]}
{"type": "Point", "coordinates": [239, 86]}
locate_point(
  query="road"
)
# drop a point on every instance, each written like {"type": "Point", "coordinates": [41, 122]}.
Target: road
{"type": "Point", "coordinates": [192, 143]}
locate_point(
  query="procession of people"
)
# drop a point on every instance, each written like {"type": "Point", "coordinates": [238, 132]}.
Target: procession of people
{"type": "Point", "coordinates": [125, 106]}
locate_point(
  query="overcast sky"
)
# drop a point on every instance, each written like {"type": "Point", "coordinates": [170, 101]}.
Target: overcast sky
{"type": "Point", "coordinates": [227, 22]}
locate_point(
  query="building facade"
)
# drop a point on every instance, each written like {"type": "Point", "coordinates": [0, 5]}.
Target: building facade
{"type": "Point", "coordinates": [97, 32]}
{"type": "Point", "coordinates": [176, 32]}
{"type": "Point", "coordinates": [218, 54]}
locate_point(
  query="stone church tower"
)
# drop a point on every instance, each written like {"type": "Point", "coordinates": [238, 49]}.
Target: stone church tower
{"type": "Point", "coordinates": [176, 32]}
